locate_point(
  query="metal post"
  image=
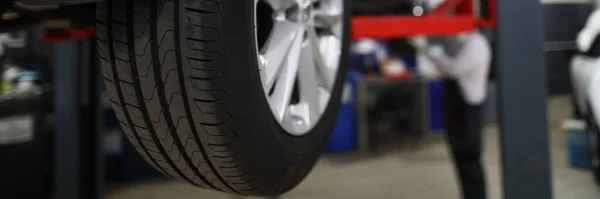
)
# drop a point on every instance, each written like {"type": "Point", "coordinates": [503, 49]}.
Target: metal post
{"type": "Point", "coordinates": [522, 99]}
{"type": "Point", "coordinates": [363, 141]}
{"type": "Point", "coordinates": [97, 86]}
{"type": "Point", "coordinates": [90, 126]}
{"type": "Point", "coordinates": [66, 153]}
{"type": "Point", "coordinates": [79, 162]}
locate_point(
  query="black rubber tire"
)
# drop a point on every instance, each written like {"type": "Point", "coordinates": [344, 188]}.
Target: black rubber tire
{"type": "Point", "coordinates": [593, 128]}
{"type": "Point", "coordinates": [184, 82]}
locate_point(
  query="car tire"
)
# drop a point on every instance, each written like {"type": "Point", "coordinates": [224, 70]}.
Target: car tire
{"type": "Point", "coordinates": [185, 84]}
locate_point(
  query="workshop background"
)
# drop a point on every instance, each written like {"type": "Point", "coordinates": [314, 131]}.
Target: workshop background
{"type": "Point", "coordinates": [387, 141]}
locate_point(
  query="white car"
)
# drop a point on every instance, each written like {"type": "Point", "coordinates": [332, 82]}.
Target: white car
{"type": "Point", "coordinates": [585, 74]}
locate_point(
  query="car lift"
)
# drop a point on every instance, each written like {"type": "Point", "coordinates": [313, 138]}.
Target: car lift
{"type": "Point", "coordinates": [521, 74]}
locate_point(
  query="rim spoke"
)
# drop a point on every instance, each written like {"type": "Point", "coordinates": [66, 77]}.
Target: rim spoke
{"type": "Point", "coordinates": [323, 73]}
{"type": "Point", "coordinates": [274, 52]}
{"type": "Point", "coordinates": [300, 58]}
{"type": "Point", "coordinates": [282, 94]}
{"type": "Point", "coordinates": [280, 5]}
{"type": "Point", "coordinates": [337, 30]}
{"type": "Point", "coordinates": [327, 18]}
{"type": "Point", "coordinates": [324, 97]}
{"type": "Point", "coordinates": [309, 91]}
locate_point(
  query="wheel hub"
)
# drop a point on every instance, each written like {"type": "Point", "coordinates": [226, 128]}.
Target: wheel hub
{"type": "Point", "coordinates": [305, 12]}
{"type": "Point", "coordinates": [301, 12]}
{"type": "Point", "coordinates": [299, 59]}
{"type": "Point", "coordinates": [305, 16]}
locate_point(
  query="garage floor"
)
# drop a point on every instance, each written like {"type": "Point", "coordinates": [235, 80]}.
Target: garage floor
{"type": "Point", "coordinates": [425, 172]}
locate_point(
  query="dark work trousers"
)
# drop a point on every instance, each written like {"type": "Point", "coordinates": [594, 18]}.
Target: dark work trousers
{"type": "Point", "coordinates": [464, 134]}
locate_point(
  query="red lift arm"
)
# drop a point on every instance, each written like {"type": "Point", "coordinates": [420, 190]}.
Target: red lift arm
{"type": "Point", "coordinates": [436, 22]}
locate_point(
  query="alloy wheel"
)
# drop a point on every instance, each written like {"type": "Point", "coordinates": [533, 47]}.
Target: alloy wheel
{"type": "Point", "coordinates": [299, 56]}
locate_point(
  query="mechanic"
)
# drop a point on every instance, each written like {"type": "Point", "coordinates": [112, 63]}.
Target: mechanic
{"type": "Point", "coordinates": [464, 60]}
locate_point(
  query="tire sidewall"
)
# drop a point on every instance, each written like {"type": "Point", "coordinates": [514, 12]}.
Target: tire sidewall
{"type": "Point", "coordinates": [272, 149]}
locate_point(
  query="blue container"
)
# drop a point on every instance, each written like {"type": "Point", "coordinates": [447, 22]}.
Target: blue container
{"type": "Point", "coordinates": [436, 119]}
{"type": "Point", "coordinates": [343, 137]}
{"type": "Point", "coordinates": [410, 61]}
{"type": "Point", "coordinates": [579, 149]}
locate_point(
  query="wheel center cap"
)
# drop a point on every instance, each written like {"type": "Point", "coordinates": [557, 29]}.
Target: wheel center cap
{"type": "Point", "coordinates": [305, 11]}
{"type": "Point", "coordinates": [305, 16]}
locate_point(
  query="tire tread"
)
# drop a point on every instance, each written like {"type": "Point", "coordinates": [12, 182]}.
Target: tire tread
{"type": "Point", "coordinates": [166, 84]}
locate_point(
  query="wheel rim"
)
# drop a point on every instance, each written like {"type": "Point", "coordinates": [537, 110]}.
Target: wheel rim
{"type": "Point", "coordinates": [299, 54]}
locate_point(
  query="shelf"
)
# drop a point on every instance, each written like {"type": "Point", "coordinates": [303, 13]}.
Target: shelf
{"type": "Point", "coordinates": [11, 107]}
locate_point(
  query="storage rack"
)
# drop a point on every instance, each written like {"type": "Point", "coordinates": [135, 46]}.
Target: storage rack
{"type": "Point", "coordinates": [414, 89]}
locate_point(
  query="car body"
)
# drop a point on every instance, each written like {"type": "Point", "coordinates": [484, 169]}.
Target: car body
{"type": "Point", "coordinates": [585, 76]}
{"type": "Point", "coordinates": [585, 70]}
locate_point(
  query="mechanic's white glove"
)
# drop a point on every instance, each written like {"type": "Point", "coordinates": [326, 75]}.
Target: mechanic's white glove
{"type": "Point", "coordinates": [436, 51]}
{"type": "Point", "coordinates": [419, 42]}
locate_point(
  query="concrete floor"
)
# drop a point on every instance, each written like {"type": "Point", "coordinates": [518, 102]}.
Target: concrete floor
{"type": "Point", "coordinates": [425, 172]}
